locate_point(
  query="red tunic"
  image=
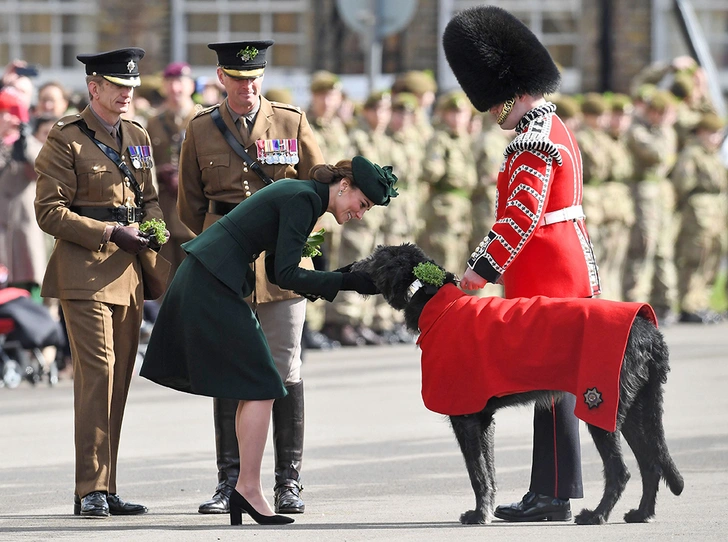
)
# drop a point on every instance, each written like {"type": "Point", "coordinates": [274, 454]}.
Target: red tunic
{"type": "Point", "coordinates": [474, 349]}
{"type": "Point", "coordinates": [542, 173]}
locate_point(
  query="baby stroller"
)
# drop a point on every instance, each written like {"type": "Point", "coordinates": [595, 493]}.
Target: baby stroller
{"type": "Point", "coordinates": [25, 328]}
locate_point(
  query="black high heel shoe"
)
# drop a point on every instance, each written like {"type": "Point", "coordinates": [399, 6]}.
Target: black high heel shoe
{"type": "Point", "coordinates": [238, 504]}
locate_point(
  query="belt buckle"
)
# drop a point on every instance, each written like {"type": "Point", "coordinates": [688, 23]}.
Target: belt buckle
{"type": "Point", "coordinates": [130, 215]}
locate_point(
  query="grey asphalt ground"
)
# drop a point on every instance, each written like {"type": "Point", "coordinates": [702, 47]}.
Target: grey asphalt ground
{"type": "Point", "coordinates": [378, 465]}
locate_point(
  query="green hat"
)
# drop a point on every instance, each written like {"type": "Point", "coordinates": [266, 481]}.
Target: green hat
{"type": "Point", "coordinates": [593, 104]}
{"type": "Point", "coordinates": [281, 95]}
{"type": "Point", "coordinates": [660, 100]}
{"type": "Point", "coordinates": [377, 97]}
{"type": "Point", "coordinates": [620, 103]}
{"type": "Point", "coordinates": [405, 101]}
{"type": "Point", "coordinates": [710, 122]}
{"type": "Point", "coordinates": [242, 59]}
{"type": "Point", "coordinates": [682, 86]}
{"type": "Point", "coordinates": [566, 106]}
{"type": "Point", "coordinates": [376, 182]}
{"type": "Point", "coordinates": [416, 82]}
{"type": "Point", "coordinates": [455, 99]}
{"type": "Point", "coordinates": [323, 81]}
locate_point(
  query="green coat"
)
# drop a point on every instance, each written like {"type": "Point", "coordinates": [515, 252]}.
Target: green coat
{"type": "Point", "coordinates": [206, 339]}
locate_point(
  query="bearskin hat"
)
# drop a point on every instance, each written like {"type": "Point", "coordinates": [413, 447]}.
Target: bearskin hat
{"type": "Point", "coordinates": [494, 57]}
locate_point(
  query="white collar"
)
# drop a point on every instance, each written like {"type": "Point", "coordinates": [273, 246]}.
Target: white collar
{"type": "Point", "coordinates": [413, 288]}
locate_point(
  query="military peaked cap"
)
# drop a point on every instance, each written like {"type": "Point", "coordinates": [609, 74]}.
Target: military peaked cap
{"type": "Point", "coordinates": [120, 66]}
{"type": "Point", "coordinates": [242, 59]}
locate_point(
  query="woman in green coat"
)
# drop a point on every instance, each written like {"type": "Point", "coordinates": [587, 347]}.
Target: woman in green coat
{"type": "Point", "coordinates": [207, 340]}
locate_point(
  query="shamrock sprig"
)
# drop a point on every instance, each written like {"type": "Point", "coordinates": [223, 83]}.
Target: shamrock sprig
{"type": "Point", "coordinates": [311, 247]}
{"type": "Point", "coordinates": [429, 273]}
{"type": "Point", "coordinates": [155, 228]}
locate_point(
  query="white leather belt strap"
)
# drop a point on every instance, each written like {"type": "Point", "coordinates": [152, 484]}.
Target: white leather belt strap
{"type": "Point", "coordinates": [562, 215]}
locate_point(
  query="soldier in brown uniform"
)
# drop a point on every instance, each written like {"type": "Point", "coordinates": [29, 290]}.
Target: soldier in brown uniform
{"type": "Point", "coordinates": [91, 197]}
{"type": "Point", "coordinates": [167, 131]}
{"type": "Point", "coordinates": [214, 178]}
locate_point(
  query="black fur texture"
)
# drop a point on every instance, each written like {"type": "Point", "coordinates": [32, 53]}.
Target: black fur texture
{"type": "Point", "coordinates": [494, 57]}
{"type": "Point", "coordinates": [639, 418]}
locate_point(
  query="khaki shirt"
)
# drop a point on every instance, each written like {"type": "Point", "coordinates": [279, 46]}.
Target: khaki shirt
{"type": "Point", "coordinates": [73, 171]}
{"type": "Point", "coordinates": [211, 170]}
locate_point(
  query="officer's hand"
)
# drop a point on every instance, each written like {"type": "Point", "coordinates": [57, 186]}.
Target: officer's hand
{"type": "Point", "coordinates": [472, 281]}
{"type": "Point", "coordinates": [152, 239]}
{"type": "Point", "coordinates": [359, 282]}
{"type": "Point", "coordinates": [128, 239]}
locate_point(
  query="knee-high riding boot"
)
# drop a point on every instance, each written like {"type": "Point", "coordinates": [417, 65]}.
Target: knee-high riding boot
{"type": "Point", "coordinates": [288, 442]}
{"type": "Point", "coordinates": [228, 458]}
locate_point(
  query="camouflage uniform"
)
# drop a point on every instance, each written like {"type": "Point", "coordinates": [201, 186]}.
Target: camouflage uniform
{"type": "Point", "coordinates": [701, 186]}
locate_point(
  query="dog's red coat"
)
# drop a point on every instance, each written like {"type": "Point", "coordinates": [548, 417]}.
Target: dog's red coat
{"type": "Point", "coordinates": [477, 348]}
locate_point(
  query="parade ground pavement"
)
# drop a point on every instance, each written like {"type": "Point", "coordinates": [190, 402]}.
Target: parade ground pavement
{"type": "Point", "coordinates": [378, 465]}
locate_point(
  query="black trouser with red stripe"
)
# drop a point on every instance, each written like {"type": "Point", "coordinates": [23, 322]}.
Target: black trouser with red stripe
{"type": "Point", "coordinates": [556, 464]}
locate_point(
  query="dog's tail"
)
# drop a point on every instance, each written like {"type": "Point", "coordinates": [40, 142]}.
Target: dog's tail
{"type": "Point", "coordinates": [660, 366]}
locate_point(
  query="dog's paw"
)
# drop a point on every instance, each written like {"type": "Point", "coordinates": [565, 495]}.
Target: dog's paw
{"type": "Point", "coordinates": [473, 517]}
{"type": "Point", "coordinates": [637, 516]}
{"type": "Point", "coordinates": [589, 517]}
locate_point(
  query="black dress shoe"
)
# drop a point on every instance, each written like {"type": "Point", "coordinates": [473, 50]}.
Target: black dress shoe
{"type": "Point", "coordinates": [535, 507]}
{"type": "Point", "coordinates": [117, 507]}
{"type": "Point", "coordinates": [219, 503]}
{"type": "Point", "coordinates": [93, 505]}
{"type": "Point", "coordinates": [288, 498]}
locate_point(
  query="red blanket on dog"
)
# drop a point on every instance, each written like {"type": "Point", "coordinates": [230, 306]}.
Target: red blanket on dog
{"type": "Point", "coordinates": [477, 348]}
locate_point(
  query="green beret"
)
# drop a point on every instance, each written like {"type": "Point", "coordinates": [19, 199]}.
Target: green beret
{"type": "Point", "coordinates": [682, 86]}
{"type": "Point", "coordinates": [416, 82]}
{"type": "Point", "coordinates": [405, 101]}
{"type": "Point", "coordinates": [377, 183]}
{"type": "Point", "coordinates": [710, 122]}
{"type": "Point", "coordinates": [322, 81]}
{"type": "Point", "coordinates": [593, 104]}
{"type": "Point", "coordinates": [375, 98]}
{"type": "Point", "coordinates": [282, 95]}
{"type": "Point", "coordinates": [566, 106]}
{"type": "Point", "coordinates": [643, 92]}
{"type": "Point", "coordinates": [455, 99]}
{"type": "Point", "coordinates": [620, 103]}
{"type": "Point", "coordinates": [660, 100]}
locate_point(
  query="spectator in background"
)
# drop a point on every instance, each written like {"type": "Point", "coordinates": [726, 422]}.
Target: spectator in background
{"type": "Point", "coordinates": [53, 100]}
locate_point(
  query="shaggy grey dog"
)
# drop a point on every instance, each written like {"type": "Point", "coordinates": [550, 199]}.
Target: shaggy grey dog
{"type": "Point", "coordinates": [639, 416]}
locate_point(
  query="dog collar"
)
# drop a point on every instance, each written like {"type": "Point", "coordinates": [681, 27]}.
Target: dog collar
{"type": "Point", "coordinates": [412, 289]}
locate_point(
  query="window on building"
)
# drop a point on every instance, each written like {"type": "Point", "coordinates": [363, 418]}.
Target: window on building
{"type": "Point", "coordinates": [47, 32]}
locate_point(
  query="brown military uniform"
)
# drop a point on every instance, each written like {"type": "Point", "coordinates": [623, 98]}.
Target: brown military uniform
{"type": "Point", "coordinates": [100, 286]}
{"type": "Point", "coordinates": [210, 170]}
{"type": "Point", "coordinates": [167, 131]}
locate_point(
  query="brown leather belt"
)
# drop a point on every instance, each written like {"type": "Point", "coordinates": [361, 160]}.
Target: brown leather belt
{"type": "Point", "coordinates": [220, 207]}
{"type": "Point", "coordinates": [122, 215]}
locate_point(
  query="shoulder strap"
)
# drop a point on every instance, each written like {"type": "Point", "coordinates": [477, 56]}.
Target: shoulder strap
{"type": "Point", "coordinates": [237, 147]}
{"type": "Point", "coordinates": [114, 157]}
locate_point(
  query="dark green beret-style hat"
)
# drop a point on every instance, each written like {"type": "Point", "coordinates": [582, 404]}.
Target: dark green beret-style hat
{"type": "Point", "coordinates": [376, 182]}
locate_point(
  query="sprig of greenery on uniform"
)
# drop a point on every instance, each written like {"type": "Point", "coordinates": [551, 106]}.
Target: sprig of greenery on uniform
{"type": "Point", "coordinates": [311, 247]}
{"type": "Point", "coordinates": [155, 228]}
{"type": "Point", "coordinates": [429, 273]}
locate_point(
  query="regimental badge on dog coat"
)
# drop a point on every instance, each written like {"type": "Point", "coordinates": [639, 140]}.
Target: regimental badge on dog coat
{"type": "Point", "coordinates": [477, 348]}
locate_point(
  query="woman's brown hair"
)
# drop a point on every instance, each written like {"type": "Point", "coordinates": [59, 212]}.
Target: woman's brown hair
{"type": "Point", "coordinates": [328, 174]}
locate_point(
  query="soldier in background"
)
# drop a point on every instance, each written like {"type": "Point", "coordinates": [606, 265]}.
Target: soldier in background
{"type": "Point", "coordinates": [701, 186]}
{"type": "Point", "coordinates": [167, 131]}
{"type": "Point", "coordinates": [451, 175]}
{"type": "Point", "coordinates": [593, 140]}
{"type": "Point", "coordinates": [422, 84]}
{"type": "Point", "coordinates": [617, 205]}
{"type": "Point", "coordinates": [652, 142]}
{"type": "Point", "coordinates": [350, 318]}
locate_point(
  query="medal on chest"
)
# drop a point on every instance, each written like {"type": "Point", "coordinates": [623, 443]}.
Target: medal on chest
{"type": "Point", "coordinates": [277, 151]}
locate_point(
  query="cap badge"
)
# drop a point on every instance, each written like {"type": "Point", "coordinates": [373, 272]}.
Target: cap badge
{"type": "Point", "coordinates": [593, 398]}
{"type": "Point", "coordinates": [130, 66]}
{"type": "Point", "coordinates": [249, 53]}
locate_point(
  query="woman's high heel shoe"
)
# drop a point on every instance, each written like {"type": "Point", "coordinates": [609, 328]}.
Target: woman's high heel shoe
{"type": "Point", "coordinates": [238, 504]}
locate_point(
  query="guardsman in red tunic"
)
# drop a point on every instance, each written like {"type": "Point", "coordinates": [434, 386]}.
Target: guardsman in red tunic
{"type": "Point", "coordinates": [539, 244]}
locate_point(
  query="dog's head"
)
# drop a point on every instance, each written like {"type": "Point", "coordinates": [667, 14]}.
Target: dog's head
{"type": "Point", "coordinates": [392, 270]}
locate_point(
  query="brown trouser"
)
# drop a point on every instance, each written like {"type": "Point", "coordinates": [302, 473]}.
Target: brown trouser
{"type": "Point", "coordinates": [103, 340]}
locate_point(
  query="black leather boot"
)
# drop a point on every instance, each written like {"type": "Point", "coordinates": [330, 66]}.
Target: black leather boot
{"type": "Point", "coordinates": [228, 458]}
{"type": "Point", "coordinates": [288, 443]}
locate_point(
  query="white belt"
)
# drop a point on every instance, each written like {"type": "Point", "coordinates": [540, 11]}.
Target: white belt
{"type": "Point", "coordinates": [562, 215]}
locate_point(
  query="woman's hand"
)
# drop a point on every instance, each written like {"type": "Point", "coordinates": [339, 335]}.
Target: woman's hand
{"type": "Point", "coordinates": [359, 282]}
{"type": "Point", "coordinates": [472, 281]}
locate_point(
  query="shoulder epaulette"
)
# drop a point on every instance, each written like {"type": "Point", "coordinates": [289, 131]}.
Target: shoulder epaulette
{"type": "Point", "coordinates": [69, 119]}
{"type": "Point", "coordinates": [534, 141]}
{"type": "Point", "coordinates": [138, 124]}
{"type": "Point", "coordinates": [206, 110]}
{"type": "Point", "coordinates": [290, 107]}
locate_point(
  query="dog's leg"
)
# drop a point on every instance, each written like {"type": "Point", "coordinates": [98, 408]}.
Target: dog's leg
{"type": "Point", "coordinates": [644, 432]}
{"type": "Point", "coordinates": [487, 445]}
{"type": "Point", "coordinates": [616, 476]}
{"type": "Point", "coordinates": [469, 433]}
